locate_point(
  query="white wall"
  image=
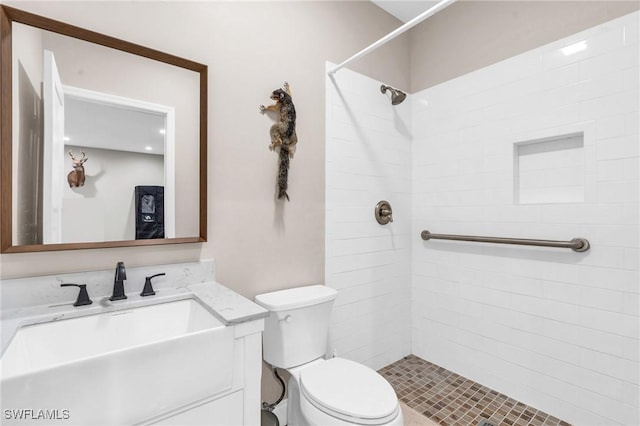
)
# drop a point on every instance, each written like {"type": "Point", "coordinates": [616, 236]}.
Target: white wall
{"type": "Point", "coordinates": [368, 159]}
{"type": "Point", "coordinates": [555, 329]}
{"type": "Point", "coordinates": [103, 209]}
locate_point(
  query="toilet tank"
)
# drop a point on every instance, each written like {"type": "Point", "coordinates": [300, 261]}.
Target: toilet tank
{"type": "Point", "coordinates": [296, 331]}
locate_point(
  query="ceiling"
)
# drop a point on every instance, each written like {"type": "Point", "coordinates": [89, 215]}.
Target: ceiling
{"type": "Point", "coordinates": [107, 126]}
{"type": "Point", "coordinates": [405, 10]}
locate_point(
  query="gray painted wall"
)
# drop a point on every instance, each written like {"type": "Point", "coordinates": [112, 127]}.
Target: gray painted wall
{"type": "Point", "coordinates": [472, 34]}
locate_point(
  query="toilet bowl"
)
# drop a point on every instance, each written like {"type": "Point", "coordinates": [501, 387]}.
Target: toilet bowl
{"type": "Point", "coordinates": [336, 391]}
{"type": "Point", "coordinates": [342, 392]}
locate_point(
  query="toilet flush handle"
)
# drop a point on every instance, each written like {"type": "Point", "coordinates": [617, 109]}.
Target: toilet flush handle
{"type": "Point", "coordinates": [287, 318]}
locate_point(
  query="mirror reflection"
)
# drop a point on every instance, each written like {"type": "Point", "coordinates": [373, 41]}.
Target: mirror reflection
{"type": "Point", "coordinates": [105, 143]}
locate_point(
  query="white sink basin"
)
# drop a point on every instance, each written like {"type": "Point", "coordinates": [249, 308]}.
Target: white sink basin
{"type": "Point", "coordinates": [120, 367]}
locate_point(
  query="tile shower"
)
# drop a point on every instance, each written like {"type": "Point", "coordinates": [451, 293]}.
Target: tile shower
{"type": "Point", "coordinates": [451, 399]}
{"type": "Point", "coordinates": [553, 329]}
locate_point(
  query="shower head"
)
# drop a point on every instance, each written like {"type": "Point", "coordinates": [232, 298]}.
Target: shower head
{"type": "Point", "coordinates": [397, 96]}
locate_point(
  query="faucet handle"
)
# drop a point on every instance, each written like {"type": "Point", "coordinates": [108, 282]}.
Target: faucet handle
{"type": "Point", "coordinates": [148, 288]}
{"type": "Point", "coordinates": [83, 296]}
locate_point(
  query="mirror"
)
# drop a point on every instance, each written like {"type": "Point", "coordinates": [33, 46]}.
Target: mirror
{"type": "Point", "coordinates": [103, 142]}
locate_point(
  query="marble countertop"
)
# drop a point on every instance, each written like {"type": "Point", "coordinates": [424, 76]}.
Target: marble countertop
{"type": "Point", "coordinates": [228, 306]}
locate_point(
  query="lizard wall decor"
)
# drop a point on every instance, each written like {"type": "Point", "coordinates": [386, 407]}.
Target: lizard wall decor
{"type": "Point", "coordinates": [283, 134]}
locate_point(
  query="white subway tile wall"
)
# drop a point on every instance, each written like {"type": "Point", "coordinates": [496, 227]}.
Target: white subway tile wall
{"type": "Point", "coordinates": [368, 159]}
{"type": "Point", "coordinates": [554, 329]}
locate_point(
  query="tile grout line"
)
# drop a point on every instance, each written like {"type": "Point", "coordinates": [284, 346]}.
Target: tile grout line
{"type": "Point", "coordinates": [450, 399]}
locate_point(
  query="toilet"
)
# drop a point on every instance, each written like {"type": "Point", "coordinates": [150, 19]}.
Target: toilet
{"type": "Point", "coordinates": [322, 391]}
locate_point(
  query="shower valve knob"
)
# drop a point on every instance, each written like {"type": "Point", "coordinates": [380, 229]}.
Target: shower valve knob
{"type": "Point", "coordinates": [383, 213]}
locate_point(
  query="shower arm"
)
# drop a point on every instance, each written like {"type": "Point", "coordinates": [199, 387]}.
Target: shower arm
{"type": "Point", "coordinates": [412, 23]}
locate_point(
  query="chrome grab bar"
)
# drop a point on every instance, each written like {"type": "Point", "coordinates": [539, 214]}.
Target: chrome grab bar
{"type": "Point", "coordinates": [576, 244]}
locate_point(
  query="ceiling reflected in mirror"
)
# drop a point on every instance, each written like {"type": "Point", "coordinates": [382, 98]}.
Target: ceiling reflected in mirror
{"type": "Point", "coordinates": [108, 126]}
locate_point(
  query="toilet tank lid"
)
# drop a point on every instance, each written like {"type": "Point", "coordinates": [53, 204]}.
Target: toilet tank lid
{"type": "Point", "coordinates": [298, 297]}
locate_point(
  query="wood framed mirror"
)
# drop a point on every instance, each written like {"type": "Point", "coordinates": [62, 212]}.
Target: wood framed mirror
{"type": "Point", "coordinates": [103, 142]}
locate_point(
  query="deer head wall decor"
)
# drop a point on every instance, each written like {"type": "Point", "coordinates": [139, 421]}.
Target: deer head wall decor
{"type": "Point", "coordinates": [76, 176]}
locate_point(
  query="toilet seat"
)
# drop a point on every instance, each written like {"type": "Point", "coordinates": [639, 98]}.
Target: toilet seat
{"type": "Point", "coordinates": [349, 391]}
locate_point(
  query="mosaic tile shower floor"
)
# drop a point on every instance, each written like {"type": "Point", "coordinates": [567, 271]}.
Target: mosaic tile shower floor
{"type": "Point", "coordinates": [452, 400]}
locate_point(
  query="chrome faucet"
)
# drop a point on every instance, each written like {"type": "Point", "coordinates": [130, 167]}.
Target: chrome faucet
{"type": "Point", "coordinates": [118, 282]}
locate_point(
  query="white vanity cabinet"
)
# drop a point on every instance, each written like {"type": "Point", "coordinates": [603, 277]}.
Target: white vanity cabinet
{"type": "Point", "coordinates": [240, 403]}
{"type": "Point", "coordinates": [189, 355]}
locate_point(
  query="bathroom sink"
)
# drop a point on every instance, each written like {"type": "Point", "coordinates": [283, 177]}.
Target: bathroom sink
{"type": "Point", "coordinates": [135, 363]}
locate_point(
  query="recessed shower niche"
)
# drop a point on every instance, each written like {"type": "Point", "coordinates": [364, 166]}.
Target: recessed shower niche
{"type": "Point", "coordinates": [550, 170]}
